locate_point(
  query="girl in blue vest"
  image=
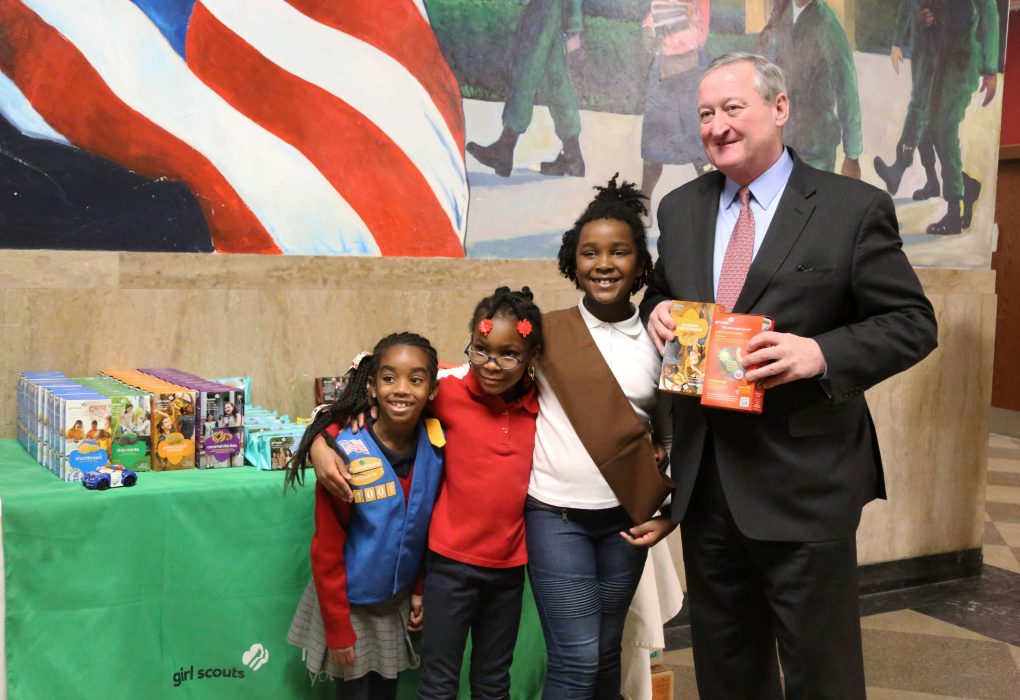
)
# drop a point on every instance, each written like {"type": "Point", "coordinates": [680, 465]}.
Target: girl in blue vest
{"type": "Point", "coordinates": [367, 555]}
{"type": "Point", "coordinates": [477, 551]}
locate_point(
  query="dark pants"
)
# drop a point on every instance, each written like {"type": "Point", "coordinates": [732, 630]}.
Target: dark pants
{"type": "Point", "coordinates": [460, 598]}
{"type": "Point", "coordinates": [584, 576]}
{"type": "Point", "coordinates": [371, 686]}
{"type": "Point", "coordinates": [748, 595]}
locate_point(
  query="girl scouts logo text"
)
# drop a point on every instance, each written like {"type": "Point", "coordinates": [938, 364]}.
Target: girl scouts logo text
{"type": "Point", "coordinates": [255, 658]}
{"type": "Point", "coordinates": [191, 673]}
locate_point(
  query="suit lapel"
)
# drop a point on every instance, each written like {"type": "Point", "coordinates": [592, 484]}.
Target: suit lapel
{"type": "Point", "coordinates": [703, 221]}
{"type": "Point", "coordinates": [795, 208]}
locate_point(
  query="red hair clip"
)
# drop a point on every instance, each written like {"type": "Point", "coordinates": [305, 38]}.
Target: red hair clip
{"type": "Point", "coordinates": [524, 327]}
{"type": "Point", "coordinates": [485, 326]}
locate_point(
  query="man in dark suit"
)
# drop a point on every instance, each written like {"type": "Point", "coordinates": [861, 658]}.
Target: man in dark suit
{"type": "Point", "coordinates": [769, 504]}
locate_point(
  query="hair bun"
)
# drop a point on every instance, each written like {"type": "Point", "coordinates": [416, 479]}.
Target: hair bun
{"type": "Point", "coordinates": [526, 293]}
{"type": "Point", "coordinates": [626, 193]}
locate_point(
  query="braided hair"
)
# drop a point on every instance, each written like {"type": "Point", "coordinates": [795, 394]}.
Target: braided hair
{"type": "Point", "coordinates": [520, 305]}
{"type": "Point", "coordinates": [355, 399]}
{"type": "Point", "coordinates": [621, 202]}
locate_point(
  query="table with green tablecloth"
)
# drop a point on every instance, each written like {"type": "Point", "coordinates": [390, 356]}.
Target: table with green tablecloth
{"type": "Point", "coordinates": [182, 586]}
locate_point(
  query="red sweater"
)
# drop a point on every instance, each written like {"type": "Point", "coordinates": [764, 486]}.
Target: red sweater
{"type": "Point", "coordinates": [479, 515]}
{"type": "Point", "coordinates": [329, 571]}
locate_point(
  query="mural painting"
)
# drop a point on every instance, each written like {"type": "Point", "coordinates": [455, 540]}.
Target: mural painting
{"type": "Point", "coordinates": [870, 84]}
{"type": "Point", "coordinates": [452, 127]}
{"type": "Point", "coordinates": [307, 127]}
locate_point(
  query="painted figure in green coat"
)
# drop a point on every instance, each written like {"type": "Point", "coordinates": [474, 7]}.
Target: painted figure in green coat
{"type": "Point", "coordinates": [548, 31]}
{"type": "Point", "coordinates": [964, 55]}
{"type": "Point", "coordinates": [825, 107]}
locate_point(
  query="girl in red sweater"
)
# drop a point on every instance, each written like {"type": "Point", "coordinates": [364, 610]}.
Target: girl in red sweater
{"type": "Point", "coordinates": [368, 552]}
{"type": "Point", "coordinates": [477, 554]}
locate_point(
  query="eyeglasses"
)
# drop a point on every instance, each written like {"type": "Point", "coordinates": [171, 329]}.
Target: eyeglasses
{"type": "Point", "coordinates": [477, 357]}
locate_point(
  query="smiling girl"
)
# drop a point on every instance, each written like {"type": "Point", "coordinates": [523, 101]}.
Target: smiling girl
{"type": "Point", "coordinates": [367, 555]}
{"type": "Point", "coordinates": [594, 483]}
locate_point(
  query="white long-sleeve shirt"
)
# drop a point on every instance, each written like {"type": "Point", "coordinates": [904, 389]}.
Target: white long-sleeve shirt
{"type": "Point", "coordinates": [563, 474]}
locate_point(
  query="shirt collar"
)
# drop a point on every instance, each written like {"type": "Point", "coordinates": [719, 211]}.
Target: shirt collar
{"type": "Point", "coordinates": [796, 11]}
{"type": "Point", "coordinates": [631, 326]}
{"type": "Point", "coordinates": [528, 401]}
{"type": "Point", "coordinates": [766, 187]}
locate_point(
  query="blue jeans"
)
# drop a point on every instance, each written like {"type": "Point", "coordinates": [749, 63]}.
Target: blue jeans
{"type": "Point", "coordinates": [584, 576]}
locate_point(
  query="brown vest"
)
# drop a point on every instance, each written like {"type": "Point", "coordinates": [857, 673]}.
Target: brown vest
{"type": "Point", "coordinates": [601, 414]}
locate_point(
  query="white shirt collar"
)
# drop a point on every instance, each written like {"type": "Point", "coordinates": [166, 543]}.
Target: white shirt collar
{"type": "Point", "coordinates": [631, 326]}
{"type": "Point", "coordinates": [795, 11]}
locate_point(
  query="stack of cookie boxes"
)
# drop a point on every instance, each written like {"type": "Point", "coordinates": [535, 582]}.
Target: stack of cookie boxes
{"type": "Point", "coordinates": [31, 424]}
{"type": "Point", "coordinates": [172, 409]}
{"type": "Point", "coordinates": [64, 425]}
{"type": "Point", "coordinates": [219, 417]}
{"type": "Point", "coordinates": [130, 443]}
{"type": "Point", "coordinates": [270, 440]}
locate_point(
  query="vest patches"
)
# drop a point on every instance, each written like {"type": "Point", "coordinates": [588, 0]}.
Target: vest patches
{"type": "Point", "coordinates": [376, 493]}
{"type": "Point", "coordinates": [354, 446]}
{"type": "Point", "coordinates": [387, 540]}
{"type": "Point", "coordinates": [365, 470]}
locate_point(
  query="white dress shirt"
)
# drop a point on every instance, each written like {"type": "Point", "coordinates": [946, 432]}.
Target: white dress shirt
{"type": "Point", "coordinates": [563, 473]}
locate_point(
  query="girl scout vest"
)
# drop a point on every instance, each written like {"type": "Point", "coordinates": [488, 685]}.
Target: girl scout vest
{"type": "Point", "coordinates": [386, 541]}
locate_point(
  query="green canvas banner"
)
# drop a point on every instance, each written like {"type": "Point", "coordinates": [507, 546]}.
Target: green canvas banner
{"type": "Point", "coordinates": [180, 587]}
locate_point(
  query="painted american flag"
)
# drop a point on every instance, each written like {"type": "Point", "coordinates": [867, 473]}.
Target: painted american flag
{"type": "Point", "coordinates": [300, 126]}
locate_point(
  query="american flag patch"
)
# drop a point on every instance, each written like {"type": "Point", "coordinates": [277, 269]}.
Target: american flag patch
{"type": "Point", "coordinates": [353, 446]}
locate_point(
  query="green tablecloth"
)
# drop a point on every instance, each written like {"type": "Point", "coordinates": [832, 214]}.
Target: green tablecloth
{"type": "Point", "coordinates": [161, 589]}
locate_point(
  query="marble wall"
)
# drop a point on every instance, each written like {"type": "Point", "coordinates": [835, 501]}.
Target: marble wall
{"type": "Point", "coordinates": [285, 321]}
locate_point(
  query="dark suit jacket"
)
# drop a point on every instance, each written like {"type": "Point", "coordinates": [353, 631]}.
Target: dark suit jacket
{"type": "Point", "coordinates": [831, 267]}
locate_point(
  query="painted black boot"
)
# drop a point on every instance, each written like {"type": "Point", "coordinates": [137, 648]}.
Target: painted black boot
{"type": "Point", "coordinates": [931, 187]}
{"type": "Point", "coordinates": [949, 225]}
{"type": "Point", "coordinates": [568, 162]}
{"type": "Point", "coordinates": [892, 174]}
{"type": "Point", "coordinates": [498, 155]}
{"type": "Point", "coordinates": [971, 192]}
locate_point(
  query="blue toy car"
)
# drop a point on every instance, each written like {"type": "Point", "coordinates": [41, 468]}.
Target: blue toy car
{"type": "Point", "coordinates": [108, 477]}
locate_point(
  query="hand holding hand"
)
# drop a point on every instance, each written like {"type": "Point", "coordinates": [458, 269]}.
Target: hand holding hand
{"type": "Point", "coordinates": [784, 358]}
{"type": "Point", "coordinates": [661, 326]}
{"type": "Point", "coordinates": [649, 533]}
{"type": "Point", "coordinates": [330, 470]}
{"type": "Point", "coordinates": [417, 620]}
{"type": "Point", "coordinates": [342, 657]}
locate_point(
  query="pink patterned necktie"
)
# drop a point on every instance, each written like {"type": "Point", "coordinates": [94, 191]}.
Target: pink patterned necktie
{"type": "Point", "coordinates": [739, 251]}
